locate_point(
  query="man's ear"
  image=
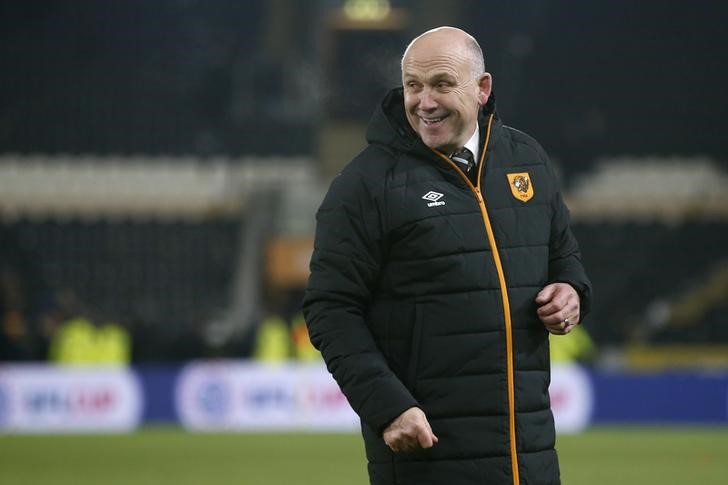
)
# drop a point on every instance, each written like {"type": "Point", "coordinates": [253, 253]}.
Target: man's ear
{"type": "Point", "coordinates": [485, 85]}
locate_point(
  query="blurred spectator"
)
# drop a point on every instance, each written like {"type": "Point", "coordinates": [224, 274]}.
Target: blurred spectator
{"type": "Point", "coordinates": [73, 343]}
{"type": "Point", "coordinates": [79, 341]}
{"type": "Point", "coordinates": [303, 349]}
{"type": "Point", "coordinates": [278, 340]}
{"type": "Point", "coordinates": [272, 340]}
{"type": "Point", "coordinates": [575, 347]}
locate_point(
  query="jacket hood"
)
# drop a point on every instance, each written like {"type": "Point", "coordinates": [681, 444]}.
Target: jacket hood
{"type": "Point", "coordinates": [389, 126]}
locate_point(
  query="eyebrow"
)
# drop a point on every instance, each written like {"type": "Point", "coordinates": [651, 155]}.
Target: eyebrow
{"type": "Point", "coordinates": [443, 77]}
{"type": "Point", "coordinates": [435, 78]}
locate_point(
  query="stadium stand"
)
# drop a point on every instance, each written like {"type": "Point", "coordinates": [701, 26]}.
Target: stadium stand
{"type": "Point", "coordinates": [159, 244]}
{"type": "Point", "coordinates": [155, 275]}
{"type": "Point", "coordinates": [633, 264]}
{"type": "Point", "coordinates": [669, 189]}
{"type": "Point", "coordinates": [185, 252]}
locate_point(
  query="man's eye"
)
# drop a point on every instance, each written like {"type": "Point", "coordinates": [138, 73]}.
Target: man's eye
{"type": "Point", "coordinates": [443, 85]}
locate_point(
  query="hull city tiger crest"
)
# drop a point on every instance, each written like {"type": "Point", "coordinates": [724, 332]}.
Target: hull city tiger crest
{"type": "Point", "coordinates": [521, 186]}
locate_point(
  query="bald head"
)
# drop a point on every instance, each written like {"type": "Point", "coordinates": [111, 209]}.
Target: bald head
{"type": "Point", "coordinates": [444, 86]}
{"type": "Point", "coordinates": [452, 38]}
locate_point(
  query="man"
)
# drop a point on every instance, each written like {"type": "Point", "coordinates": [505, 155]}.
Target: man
{"type": "Point", "coordinates": [435, 281]}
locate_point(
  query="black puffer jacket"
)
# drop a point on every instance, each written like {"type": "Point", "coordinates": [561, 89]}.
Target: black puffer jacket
{"type": "Point", "coordinates": [422, 294]}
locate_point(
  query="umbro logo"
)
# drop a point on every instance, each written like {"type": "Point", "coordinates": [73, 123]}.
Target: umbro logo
{"type": "Point", "coordinates": [434, 198]}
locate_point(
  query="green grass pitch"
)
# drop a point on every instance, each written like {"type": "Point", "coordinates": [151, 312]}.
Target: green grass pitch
{"type": "Point", "coordinates": [600, 456]}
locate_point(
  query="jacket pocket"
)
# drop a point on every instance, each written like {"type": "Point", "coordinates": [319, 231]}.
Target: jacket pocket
{"type": "Point", "coordinates": [415, 345]}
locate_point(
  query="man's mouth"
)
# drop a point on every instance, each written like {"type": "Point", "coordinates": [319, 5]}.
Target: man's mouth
{"type": "Point", "coordinates": [432, 120]}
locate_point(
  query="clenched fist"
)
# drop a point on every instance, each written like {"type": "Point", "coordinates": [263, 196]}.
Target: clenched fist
{"type": "Point", "coordinates": [409, 431]}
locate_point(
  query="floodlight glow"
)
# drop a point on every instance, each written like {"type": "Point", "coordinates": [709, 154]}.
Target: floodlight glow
{"type": "Point", "coordinates": [367, 10]}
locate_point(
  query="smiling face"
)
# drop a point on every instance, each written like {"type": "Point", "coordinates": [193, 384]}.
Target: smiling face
{"type": "Point", "coordinates": [443, 88]}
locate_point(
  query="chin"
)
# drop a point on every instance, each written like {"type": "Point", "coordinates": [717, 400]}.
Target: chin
{"type": "Point", "coordinates": [435, 143]}
{"type": "Point", "coordinates": [446, 148]}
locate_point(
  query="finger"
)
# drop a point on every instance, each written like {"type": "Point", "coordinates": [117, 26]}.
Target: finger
{"type": "Point", "coordinates": [545, 294]}
{"type": "Point", "coordinates": [549, 310]}
{"type": "Point", "coordinates": [560, 325]}
{"type": "Point", "coordinates": [559, 301]}
{"type": "Point", "coordinates": [434, 438]}
{"type": "Point", "coordinates": [553, 329]}
{"type": "Point", "coordinates": [561, 329]}
{"type": "Point", "coordinates": [401, 448]}
{"type": "Point", "coordinates": [557, 324]}
{"type": "Point", "coordinates": [396, 440]}
{"type": "Point", "coordinates": [424, 437]}
{"type": "Point", "coordinates": [570, 310]}
{"type": "Point", "coordinates": [432, 434]}
{"type": "Point", "coordinates": [398, 446]}
{"type": "Point", "coordinates": [556, 320]}
{"type": "Point", "coordinates": [569, 314]}
{"type": "Point", "coordinates": [569, 328]}
{"type": "Point", "coordinates": [391, 444]}
{"type": "Point", "coordinates": [429, 429]}
{"type": "Point", "coordinates": [413, 444]}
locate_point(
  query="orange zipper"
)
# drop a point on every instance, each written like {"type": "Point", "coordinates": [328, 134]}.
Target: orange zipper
{"type": "Point", "coordinates": [504, 298]}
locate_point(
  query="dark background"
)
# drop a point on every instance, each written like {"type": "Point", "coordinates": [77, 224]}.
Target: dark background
{"type": "Point", "coordinates": [587, 79]}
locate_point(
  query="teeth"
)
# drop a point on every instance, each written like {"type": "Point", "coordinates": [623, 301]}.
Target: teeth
{"type": "Point", "coordinates": [431, 120]}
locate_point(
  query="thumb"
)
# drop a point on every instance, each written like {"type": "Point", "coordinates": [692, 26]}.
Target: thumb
{"type": "Point", "coordinates": [545, 294]}
{"type": "Point", "coordinates": [434, 438]}
{"type": "Point", "coordinates": [425, 438]}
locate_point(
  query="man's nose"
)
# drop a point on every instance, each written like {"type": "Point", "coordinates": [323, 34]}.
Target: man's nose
{"type": "Point", "coordinates": [428, 101]}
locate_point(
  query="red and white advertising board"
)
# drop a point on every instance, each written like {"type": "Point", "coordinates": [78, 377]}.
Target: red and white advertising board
{"type": "Point", "coordinates": [44, 398]}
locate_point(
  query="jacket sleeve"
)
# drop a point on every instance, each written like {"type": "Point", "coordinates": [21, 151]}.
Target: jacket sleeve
{"type": "Point", "coordinates": [345, 266]}
{"type": "Point", "coordinates": [564, 255]}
